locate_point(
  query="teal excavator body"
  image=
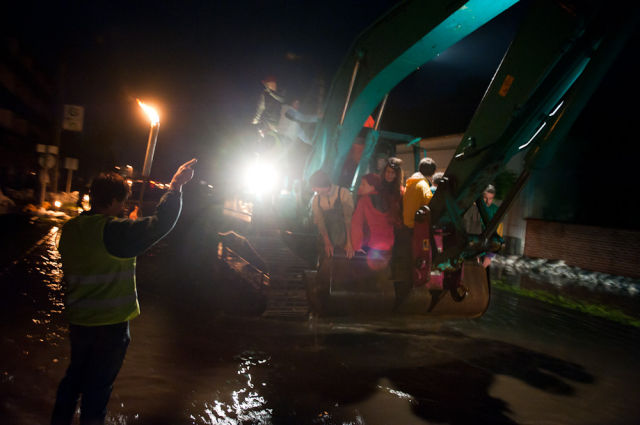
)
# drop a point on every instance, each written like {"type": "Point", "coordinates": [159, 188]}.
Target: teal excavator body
{"type": "Point", "coordinates": [554, 64]}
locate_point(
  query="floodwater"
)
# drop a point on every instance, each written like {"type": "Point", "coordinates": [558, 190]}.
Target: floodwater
{"type": "Point", "coordinates": [523, 362]}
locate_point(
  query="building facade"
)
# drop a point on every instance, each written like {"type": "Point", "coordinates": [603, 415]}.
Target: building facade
{"type": "Point", "coordinates": [27, 103]}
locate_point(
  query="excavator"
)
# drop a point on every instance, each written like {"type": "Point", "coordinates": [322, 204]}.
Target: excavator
{"type": "Point", "coordinates": [555, 62]}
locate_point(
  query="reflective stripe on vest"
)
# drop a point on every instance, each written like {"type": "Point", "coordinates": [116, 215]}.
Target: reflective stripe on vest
{"type": "Point", "coordinates": [98, 279]}
{"type": "Point", "coordinates": [100, 288]}
{"type": "Point", "coordinates": [99, 304]}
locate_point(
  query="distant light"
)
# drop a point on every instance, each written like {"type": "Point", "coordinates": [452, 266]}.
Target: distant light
{"type": "Point", "coordinates": [154, 118]}
{"type": "Point", "coordinates": [130, 182]}
{"type": "Point", "coordinates": [290, 56]}
{"type": "Point", "coordinates": [533, 137]}
{"type": "Point", "coordinates": [460, 155]}
{"type": "Point", "coordinates": [57, 204]}
{"type": "Point", "coordinates": [85, 203]}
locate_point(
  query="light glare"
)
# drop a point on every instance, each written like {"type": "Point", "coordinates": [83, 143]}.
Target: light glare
{"type": "Point", "coordinates": [260, 178]}
{"type": "Point", "coordinates": [151, 112]}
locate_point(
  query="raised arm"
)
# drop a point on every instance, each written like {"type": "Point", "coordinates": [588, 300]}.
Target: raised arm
{"type": "Point", "coordinates": [125, 238]}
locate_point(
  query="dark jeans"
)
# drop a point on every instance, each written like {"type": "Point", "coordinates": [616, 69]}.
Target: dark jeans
{"type": "Point", "coordinates": [97, 353]}
{"type": "Point", "coordinates": [402, 255]}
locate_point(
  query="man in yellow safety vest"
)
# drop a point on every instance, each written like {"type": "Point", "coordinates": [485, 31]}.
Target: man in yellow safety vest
{"type": "Point", "coordinates": [98, 251]}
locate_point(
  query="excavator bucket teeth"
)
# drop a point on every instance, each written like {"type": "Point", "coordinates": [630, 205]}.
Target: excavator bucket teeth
{"type": "Point", "coordinates": [470, 299]}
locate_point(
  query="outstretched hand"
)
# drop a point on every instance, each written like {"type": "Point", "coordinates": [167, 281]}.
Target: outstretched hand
{"type": "Point", "coordinates": [183, 175]}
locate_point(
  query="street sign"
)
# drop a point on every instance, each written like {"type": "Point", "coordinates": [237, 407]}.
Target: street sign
{"type": "Point", "coordinates": [52, 149]}
{"type": "Point", "coordinates": [47, 161]}
{"type": "Point", "coordinates": [44, 180]}
{"type": "Point", "coordinates": [71, 163]}
{"type": "Point", "coordinates": [73, 117]}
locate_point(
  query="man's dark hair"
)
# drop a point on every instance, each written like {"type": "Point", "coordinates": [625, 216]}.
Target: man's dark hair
{"type": "Point", "coordinates": [427, 167]}
{"type": "Point", "coordinates": [107, 187]}
{"type": "Point", "coordinates": [319, 179]}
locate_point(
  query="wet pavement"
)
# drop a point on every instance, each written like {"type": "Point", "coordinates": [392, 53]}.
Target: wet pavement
{"type": "Point", "coordinates": [524, 362]}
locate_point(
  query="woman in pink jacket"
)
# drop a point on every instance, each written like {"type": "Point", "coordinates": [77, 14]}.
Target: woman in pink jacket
{"type": "Point", "coordinates": [372, 224]}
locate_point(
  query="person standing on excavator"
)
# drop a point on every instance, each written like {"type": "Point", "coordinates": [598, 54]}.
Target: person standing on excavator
{"type": "Point", "coordinates": [418, 191]}
{"type": "Point", "coordinates": [332, 209]}
{"type": "Point", "coordinates": [267, 115]}
{"type": "Point", "coordinates": [474, 224]}
{"type": "Point", "coordinates": [295, 140]}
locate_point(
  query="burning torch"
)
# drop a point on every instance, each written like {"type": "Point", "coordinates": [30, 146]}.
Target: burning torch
{"type": "Point", "coordinates": [154, 120]}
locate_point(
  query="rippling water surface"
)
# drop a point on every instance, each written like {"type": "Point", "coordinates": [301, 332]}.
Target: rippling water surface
{"type": "Point", "coordinates": [524, 362]}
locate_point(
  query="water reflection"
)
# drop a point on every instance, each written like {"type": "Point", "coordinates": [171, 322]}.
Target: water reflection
{"type": "Point", "coordinates": [399, 394]}
{"type": "Point", "coordinates": [50, 269]}
{"type": "Point", "coordinates": [246, 404]}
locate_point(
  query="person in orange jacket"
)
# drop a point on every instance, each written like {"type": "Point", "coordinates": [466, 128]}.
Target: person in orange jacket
{"type": "Point", "coordinates": [418, 191]}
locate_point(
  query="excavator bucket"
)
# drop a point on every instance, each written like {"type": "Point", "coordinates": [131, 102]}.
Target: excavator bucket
{"type": "Point", "coordinates": [351, 287]}
{"type": "Point", "coordinates": [469, 299]}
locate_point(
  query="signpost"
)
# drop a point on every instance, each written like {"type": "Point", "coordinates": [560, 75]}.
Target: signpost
{"type": "Point", "coordinates": [71, 164]}
{"type": "Point", "coordinates": [47, 160]}
{"type": "Point", "coordinates": [72, 120]}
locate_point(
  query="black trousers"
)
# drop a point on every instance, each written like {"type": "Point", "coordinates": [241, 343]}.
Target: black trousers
{"type": "Point", "coordinates": [97, 353]}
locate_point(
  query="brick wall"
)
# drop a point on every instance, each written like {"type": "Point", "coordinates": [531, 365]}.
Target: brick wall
{"type": "Point", "coordinates": [593, 248]}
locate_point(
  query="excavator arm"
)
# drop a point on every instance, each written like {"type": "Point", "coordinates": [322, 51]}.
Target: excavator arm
{"type": "Point", "coordinates": [546, 78]}
{"type": "Point", "coordinates": [408, 36]}
{"type": "Point", "coordinates": [554, 64]}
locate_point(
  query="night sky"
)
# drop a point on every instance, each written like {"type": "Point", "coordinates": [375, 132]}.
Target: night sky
{"type": "Point", "coordinates": [201, 62]}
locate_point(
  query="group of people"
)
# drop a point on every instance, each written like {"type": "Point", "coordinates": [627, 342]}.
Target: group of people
{"type": "Point", "coordinates": [379, 226]}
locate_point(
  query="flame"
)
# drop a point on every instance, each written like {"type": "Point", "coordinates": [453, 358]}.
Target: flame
{"type": "Point", "coordinates": [151, 112]}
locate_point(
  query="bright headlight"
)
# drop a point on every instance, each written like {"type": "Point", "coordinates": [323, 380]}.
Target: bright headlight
{"type": "Point", "coordinates": [261, 178]}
